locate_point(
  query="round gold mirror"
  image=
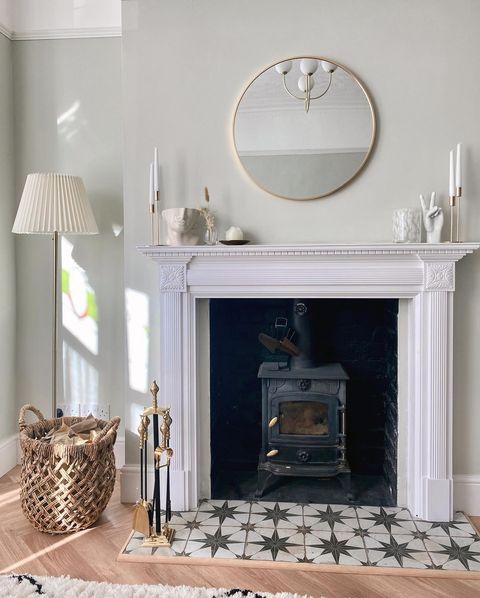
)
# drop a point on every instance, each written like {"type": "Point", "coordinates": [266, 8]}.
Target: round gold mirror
{"type": "Point", "coordinates": [304, 128]}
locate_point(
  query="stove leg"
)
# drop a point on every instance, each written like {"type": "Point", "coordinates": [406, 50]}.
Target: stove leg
{"type": "Point", "coordinates": [262, 482]}
{"type": "Point", "coordinates": [345, 480]}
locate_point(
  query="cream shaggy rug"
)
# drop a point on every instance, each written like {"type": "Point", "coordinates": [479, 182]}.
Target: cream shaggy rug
{"type": "Point", "coordinates": [32, 586]}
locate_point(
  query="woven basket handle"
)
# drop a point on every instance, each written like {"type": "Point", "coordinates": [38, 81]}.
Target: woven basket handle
{"type": "Point", "coordinates": [23, 410]}
{"type": "Point", "coordinates": [112, 426]}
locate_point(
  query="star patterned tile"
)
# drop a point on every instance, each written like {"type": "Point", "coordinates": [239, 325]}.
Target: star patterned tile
{"type": "Point", "coordinates": [317, 533]}
{"type": "Point", "coordinates": [404, 550]}
{"type": "Point", "coordinates": [275, 544]}
{"type": "Point", "coordinates": [338, 548]}
{"type": "Point", "coordinates": [455, 553]}
{"type": "Point", "coordinates": [330, 517]}
{"type": "Point", "coordinates": [281, 515]}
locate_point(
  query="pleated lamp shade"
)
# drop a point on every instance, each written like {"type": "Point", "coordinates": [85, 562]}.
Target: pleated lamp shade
{"type": "Point", "coordinates": [54, 203]}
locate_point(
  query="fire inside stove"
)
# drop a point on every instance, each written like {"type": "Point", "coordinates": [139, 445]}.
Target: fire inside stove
{"type": "Point", "coordinates": [303, 412]}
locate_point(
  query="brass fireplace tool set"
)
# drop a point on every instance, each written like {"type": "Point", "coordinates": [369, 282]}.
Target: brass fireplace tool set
{"type": "Point", "coordinates": [147, 518]}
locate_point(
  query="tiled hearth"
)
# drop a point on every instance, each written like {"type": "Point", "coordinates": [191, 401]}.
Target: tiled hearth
{"type": "Point", "coordinates": [320, 534]}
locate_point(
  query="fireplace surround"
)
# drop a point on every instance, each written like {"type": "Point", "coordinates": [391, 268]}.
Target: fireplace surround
{"type": "Point", "coordinates": [423, 274]}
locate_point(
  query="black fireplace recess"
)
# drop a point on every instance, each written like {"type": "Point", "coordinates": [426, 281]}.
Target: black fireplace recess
{"type": "Point", "coordinates": [360, 336]}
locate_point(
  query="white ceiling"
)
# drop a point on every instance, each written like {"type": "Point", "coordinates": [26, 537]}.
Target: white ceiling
{"type": "Point", "coordinates": [37, 19]}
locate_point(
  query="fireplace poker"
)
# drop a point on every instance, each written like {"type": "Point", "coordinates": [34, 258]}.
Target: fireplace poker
{"type": "Point", "coordinates": [156, 492]}
{"type": "Point", "coordinates": [165, 429]}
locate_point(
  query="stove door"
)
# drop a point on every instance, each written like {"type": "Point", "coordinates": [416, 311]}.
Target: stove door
{"type": "Point", "coordinates": [305, 420]}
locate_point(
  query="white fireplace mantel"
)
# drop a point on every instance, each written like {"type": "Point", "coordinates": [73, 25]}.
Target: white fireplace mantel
{"type": "Point", "coordinates": [424, 274]}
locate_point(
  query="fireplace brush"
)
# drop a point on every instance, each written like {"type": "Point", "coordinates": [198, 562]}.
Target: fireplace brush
{"type": "Point", "coordinates": [148, 514]}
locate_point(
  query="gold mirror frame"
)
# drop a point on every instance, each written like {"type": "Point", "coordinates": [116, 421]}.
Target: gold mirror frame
{"type": "Point", "coordinates": [372, 138]}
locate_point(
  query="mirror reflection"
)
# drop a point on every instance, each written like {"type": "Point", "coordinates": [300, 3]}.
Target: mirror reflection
{"type": "Point", "coordinates": [303, 128]}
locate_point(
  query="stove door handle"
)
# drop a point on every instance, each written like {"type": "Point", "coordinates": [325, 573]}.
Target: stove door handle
{"type": "Point", "coordinates": [273, 422]}
{"type": "Point", "coordinates": [272, 453]}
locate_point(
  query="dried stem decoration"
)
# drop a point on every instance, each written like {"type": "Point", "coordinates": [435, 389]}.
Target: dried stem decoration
{"type": "Point", "coordinates": [207, 213]}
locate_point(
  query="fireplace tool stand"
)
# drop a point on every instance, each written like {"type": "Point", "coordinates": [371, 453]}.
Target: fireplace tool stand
{"type": "Point", "coordinates": [148, 512]}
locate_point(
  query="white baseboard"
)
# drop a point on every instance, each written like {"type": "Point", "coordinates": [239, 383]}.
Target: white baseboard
{"type": "Point", "coordinates": [130, 485]}
{"type": "Point", "coordinates": [466, 493]}
{"type": "Point", "coordinates": [8, 454]}
{"type": "Point", "coordinates": [119, 450]}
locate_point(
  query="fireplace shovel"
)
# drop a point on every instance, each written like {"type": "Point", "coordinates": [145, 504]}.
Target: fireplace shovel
{"type": "Point", "coordinates": [141, 513]}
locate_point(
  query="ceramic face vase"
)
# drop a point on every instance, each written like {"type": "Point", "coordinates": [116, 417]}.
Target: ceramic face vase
{"type": "Point", "coordinates": [183, 225]}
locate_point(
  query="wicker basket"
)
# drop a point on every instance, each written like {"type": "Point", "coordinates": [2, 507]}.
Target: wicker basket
{"type": "Point", "coordinates": [65, 488]}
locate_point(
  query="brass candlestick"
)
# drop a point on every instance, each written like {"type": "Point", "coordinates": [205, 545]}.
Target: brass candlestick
{"type": "Point", "coordinates": [152, 223]}
{"type": "Point", "coordinates": [459, 195]}
{"type": "Point", "coordinates": [453, 214]}
{"type": "Point", "coordinates": [157, 213]}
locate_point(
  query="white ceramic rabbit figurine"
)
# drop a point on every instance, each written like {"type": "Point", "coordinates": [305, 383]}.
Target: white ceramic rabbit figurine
{"type": "Point", "coordinates": [432, 219]}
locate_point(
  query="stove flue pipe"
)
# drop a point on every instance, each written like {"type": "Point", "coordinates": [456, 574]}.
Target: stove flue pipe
{"type": "Point", "coordinates": [303, 322]}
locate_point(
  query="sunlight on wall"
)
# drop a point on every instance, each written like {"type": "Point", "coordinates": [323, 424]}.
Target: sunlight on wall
{"type": "Point", "coordinates": [80, 378]}
{"type": "Point", "coordinates": [67, 122]}
{"type": "Point", "coordinates": [79, 304]}
{"type": "Point", "coordinates": [136, 306]}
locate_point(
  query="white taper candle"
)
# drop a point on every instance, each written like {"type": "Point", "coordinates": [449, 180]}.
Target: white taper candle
{"type": "Point", "coordinates": [451, 186]}
{"type": "Point", "coordinates": [458, 169]}
{"type": "Point", "coordinates": [155, 170]}
{"type": "Point", "coordinates": [151, 190]}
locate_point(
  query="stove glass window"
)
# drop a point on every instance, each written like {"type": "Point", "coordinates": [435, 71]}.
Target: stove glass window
{"type": "Point", "coordinates": [303, 418]}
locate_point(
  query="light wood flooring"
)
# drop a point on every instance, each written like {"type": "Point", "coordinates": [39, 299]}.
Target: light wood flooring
{"type": "Point", "coordinates": [91, 554]}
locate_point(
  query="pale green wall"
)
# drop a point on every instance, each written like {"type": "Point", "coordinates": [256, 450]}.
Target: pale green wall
{"type": "Point", "coordinates": [185, 66]}
{"type": "Point", "coordinates": [7, 261]}
{"type": "Point", "coordinates": [68, 119]}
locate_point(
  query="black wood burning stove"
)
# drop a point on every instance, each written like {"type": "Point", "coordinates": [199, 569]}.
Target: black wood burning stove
{"type": "Point", "coordinates": [303, 414]}
{"type": "Point", "coordinates": [303, 424]}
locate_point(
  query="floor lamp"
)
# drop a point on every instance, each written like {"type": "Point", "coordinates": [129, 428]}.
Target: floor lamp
{"type": "Point", "coordinates": [54, 204]}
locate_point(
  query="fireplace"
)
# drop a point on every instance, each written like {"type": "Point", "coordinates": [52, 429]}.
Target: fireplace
{"type": "Point", "coordinates": [348, 365]}
{"type": "Point", "coordinates": [421, 274]}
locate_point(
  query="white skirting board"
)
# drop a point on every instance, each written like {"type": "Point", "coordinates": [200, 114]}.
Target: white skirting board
{"type": "Point", "coordinates": [466, 493]}
{"type": "Point", "coordinates": [130, 485]}
{"type": "Point", "coordinates": [466, 489]}
{"type": "Point", "coordinates": [8, 454]}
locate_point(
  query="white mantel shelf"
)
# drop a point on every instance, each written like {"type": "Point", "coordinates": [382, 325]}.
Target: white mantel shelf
{"type": "Point", "coordinates": [423, 274]}
{"type": "Point", "coordinates": [454, 250]}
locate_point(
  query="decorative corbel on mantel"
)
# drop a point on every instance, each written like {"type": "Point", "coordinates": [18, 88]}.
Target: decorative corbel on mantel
{"type": "Point", "coordinates": [423, 274]}
{"type": "Point", "coordinates": [439, 276]}
{"type": "Point", "coordinates": [173, 278]}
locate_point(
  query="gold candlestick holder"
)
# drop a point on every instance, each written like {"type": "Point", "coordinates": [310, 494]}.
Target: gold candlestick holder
{"type": "Point", "coordinates": [157, 215]}
{"type": "Point", "coordinates": [152, 223]}
{"type": "Point", "coordinates": [453, 219]}
{"type": "Point", "coordinates": [459, 195]}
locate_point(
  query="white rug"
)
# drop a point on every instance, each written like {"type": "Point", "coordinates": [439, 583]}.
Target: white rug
{"type": "Point", "coordinates": [32, 586]}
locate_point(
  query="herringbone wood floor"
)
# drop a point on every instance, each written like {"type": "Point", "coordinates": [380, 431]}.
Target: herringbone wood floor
{"type": "Point", "coordinates": [91, 554]}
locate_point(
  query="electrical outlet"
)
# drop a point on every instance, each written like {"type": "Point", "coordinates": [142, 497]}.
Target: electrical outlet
{"type": "Point", "coordinates": [98, 410]}
{"type": "Point", "coordinates": [70, 409]}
